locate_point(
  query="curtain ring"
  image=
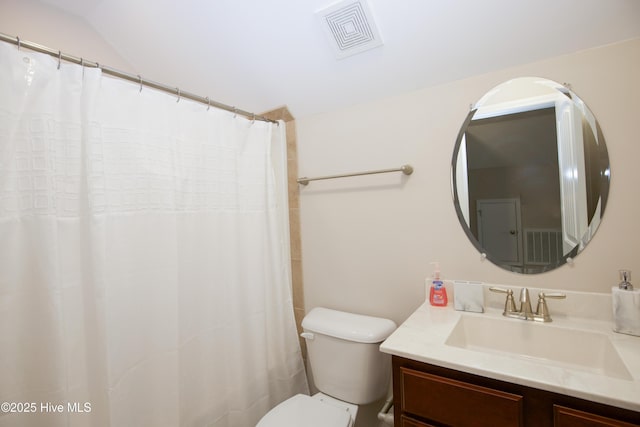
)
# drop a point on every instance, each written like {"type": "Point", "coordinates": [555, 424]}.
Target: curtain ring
{"type": "Point", "coordinates": [208, 103]}
{"type": "Point", "coordinates": [235, 114]}
{"type": "Point", "coordinates": [253, 118]}
{"type": "Point", "coordinates": [140, 81]}
{"type": "Point", "coordinates": [18, 40]}
{"type": "Point", "coordinates": [59, 58]}
{"type": "Point", "coordinates": [178, 90]}
{"type": "Point", "coordinates": [82, 65]}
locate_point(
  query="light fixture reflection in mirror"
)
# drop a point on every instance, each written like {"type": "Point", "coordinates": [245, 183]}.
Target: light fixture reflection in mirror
{"type": "Point", "coordinates": [530, 174]}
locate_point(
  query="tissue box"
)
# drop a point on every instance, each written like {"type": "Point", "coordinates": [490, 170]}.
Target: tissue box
{"type": "Point", "coordinates": [468, 296]}
{"type": "Point", "coordinates": [626, 311]}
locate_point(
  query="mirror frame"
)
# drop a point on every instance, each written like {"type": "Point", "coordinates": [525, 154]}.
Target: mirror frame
{"type": "Point", "coordinates": [604, 172]}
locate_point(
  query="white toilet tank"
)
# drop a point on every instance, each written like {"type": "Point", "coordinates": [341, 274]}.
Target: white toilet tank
{"type": "Point", "coordinates": [344, 354]}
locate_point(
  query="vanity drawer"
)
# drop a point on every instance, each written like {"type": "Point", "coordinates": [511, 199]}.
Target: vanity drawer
{"type": "Point", "coordinates": [408, 422]}
{"type": "Point", "coordinates": [567, 417]}
{"type": "Point", "coordinates": [451, 402]}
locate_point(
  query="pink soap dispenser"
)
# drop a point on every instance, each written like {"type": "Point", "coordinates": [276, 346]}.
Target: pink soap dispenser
{"type": "Point", "coordinates": [437, 292]}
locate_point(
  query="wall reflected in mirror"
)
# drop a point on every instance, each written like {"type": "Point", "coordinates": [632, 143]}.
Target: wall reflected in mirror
{"type": "Point", "coordinates": [530, 175]}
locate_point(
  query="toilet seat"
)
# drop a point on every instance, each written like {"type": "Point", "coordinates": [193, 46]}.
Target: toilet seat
{"type": "Point", "coordinates": [303, 410]}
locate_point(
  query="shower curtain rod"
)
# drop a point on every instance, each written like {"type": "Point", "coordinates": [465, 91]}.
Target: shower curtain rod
{"type": "Point", "coordinates": [131, 77]}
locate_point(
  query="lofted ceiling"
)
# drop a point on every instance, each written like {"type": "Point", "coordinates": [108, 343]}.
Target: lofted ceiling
{"type": "Point", "coordinates": [262, 54]}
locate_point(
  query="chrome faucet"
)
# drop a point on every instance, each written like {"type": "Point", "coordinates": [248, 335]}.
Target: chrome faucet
{"type": "Point", "coordinates": [525, 312]}
{"type": "Point", "coordinates": [525, 304]}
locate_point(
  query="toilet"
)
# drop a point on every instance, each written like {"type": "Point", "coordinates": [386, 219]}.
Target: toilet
{"type": "Point", "coordinates": [347, 367]}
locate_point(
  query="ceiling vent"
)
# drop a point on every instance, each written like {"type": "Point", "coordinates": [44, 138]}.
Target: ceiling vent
{"type": "Point", "coordinates": [350, 27]}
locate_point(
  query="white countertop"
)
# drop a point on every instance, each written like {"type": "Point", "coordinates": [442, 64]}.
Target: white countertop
{"type": "Point", "coordinates": [422, 338]}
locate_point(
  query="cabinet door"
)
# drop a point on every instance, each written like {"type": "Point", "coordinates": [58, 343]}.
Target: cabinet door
{"type": "Point", "coordinates": [567, 417]}
{"type": "Point", "coordinates": [446, 401]}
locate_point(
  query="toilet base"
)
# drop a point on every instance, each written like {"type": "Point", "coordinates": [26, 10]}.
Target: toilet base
{"type": "Point", "coordinates": [318, 410]}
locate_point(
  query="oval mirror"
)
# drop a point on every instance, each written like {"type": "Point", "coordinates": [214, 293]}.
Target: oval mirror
{"type": "Point", "coordinates": [530, 175]}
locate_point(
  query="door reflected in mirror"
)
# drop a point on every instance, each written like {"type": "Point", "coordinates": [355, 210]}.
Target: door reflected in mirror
{"type": "Point", "coordinates": [530, 175]}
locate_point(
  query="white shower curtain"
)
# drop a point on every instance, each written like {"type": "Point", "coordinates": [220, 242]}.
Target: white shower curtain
{"type": "Point", "coordinates": [144, 270]}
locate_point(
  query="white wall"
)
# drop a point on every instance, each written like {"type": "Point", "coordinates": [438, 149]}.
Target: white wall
{"type": "Point", "coordinates": [46, 25]}
{"type": "Point", "coordinates": [367, 241]}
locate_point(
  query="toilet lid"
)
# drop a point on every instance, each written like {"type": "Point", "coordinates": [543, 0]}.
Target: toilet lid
{"type": "Point", "coordinates": [302, 410]}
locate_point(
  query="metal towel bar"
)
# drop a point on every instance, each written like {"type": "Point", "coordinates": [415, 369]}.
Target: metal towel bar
{"type": "Point", "coordinates": [405, 169]}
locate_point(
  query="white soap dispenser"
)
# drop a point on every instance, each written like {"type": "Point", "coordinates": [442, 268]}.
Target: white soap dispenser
{"type": "Point", "coordinates": [626, 306]}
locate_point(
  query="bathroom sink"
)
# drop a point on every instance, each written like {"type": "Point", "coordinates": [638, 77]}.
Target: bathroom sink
{"type": "Point", "coordinates": [564, 347]}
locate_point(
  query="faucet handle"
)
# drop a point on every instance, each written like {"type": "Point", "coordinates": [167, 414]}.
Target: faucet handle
{"type": "Point", "coordinates": [542, 311]}
{"type": "Point", "coordinates": [554, 295]}
{"type": "Point", "coordinates": [509, 304]}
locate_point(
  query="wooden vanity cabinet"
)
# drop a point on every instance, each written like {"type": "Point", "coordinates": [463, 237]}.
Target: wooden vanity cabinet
{"type": "Point", "coordinates": [432, 396]}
